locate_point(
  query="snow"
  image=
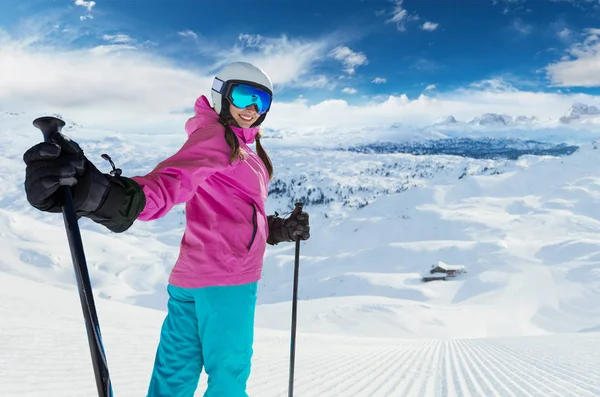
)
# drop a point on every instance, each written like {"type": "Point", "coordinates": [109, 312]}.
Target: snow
{"type": "Point", "coordinates": [490, 119]}
{"type": "Point", "coordinates": [524, 320]}
{"type": "Point", "coordinates": [445, 120]}
{"type": "Point", "coordinates": [43, 351]}
{"type": "Point", "coordinates": [579, 111]}
{"type": "Point", "coordinates": [445, 266]}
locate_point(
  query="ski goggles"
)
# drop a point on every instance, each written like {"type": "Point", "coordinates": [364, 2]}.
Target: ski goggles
{"type": "Point", "coordinates": [242, 95]}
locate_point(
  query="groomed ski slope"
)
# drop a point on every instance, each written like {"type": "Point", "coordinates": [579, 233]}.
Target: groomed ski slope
{"type": "Point", "coordinates": [44, 352]}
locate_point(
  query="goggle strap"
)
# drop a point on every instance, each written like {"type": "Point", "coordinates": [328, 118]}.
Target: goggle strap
{"type": "Point", "coordinates": [218, 85]}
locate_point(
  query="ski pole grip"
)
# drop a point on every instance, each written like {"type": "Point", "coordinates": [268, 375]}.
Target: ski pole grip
{"type": "Point", "coordinates": [50, 126]}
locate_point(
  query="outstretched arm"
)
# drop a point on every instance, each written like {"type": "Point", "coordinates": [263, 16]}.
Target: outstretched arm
{"type": "Point", "coordinates": [176, 179]}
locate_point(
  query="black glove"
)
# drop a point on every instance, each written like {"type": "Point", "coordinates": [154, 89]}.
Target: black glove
{"type": "Point", "coordinates": [114, 202]}
{"type": "Point", "coordinates": [50, 166]}
{"type": "Point", "coordinates": [296, 226]}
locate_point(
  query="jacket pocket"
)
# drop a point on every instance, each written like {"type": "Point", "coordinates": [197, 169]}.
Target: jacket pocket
{"type": "Point", "coordinates": [254, 227]}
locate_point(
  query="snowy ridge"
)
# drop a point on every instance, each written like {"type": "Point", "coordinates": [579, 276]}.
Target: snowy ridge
{"type": "Point", "coordinates": [578, 112]}
{"type": "Point", "coordinates": [581, 112]}
{"type": "Point", "coordinates": [478, 148]}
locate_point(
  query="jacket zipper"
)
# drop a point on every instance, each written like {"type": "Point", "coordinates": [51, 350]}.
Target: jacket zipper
{"type": "Point", "coordinates": [254, 227]}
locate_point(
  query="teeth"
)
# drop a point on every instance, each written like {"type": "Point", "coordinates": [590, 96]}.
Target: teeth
{"type": "Point", "coordinates": [246, 117]}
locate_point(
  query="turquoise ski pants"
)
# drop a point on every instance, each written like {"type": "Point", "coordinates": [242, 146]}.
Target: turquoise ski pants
{"type": "Point", "coordinates": [210, 328]}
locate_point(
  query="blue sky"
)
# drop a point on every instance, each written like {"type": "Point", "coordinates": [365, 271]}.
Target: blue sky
{"type": "Point", "coordinates": [356, 51]}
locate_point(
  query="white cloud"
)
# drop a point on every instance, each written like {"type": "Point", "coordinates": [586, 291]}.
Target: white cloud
{"type": "Point", "coordinates": [579, 66]}
{"type": "Point", "coordinates": [143, 91]}
{"type": "Point", "coordinates": [289, 62]}
{"type": "Point", "coordinates": [425, 64]}
{"type": "Point", "coordinates": [522, 27]}
{"type": "Point", "coordinates": [400, 16]}
{"type": "Point", "coordinates": [188, 33]}
{"type": "Point", "coordinates": [429, 26]}
{"type": "Point", "coordinates": [496, 85]}
{"type": "Point", "coordinates": [250, 40]}
{"type": "Point", "coordinates": [320, 81]}
{"type": "Point", "coordinates": [350, 59]}
{"type": "Point", "coordinates": [379, 80]}
{"type": "Point", "coordinates": [564, 33]}
{"type": "Point", "coordinates": [464, 104]}
{"type": "Point", "coordinates": [118, 39]}
{"type": "Point", "coordinates": [430, 87]}
{"type": "Point", "coordinates": [349, 90]}
{"type": "Point", "coordinates": [120, 77]}
{"type": "Point", "coordinates": [106, 49]}
{"type": "Point", "coordinates": [579, 3]}
{"type": "Point", "coordinates": [88, 5]}
{"type": "Point", "coordinates": [507, 1]}
{"type": "Point", "coordinates": [510, 5]}
{"type": "Point", "coordinates": [90, 82]}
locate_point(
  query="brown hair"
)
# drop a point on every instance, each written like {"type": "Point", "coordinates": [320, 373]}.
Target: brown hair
{"type": "Point", "coordinates": [232, 140]}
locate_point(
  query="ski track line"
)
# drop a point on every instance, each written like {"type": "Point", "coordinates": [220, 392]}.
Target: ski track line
{"type": "Point", "coordinates": [379, 376]}
{"type": "Point", "coordinates": [476, 384]}
{"type": "Point", "coordinates": [400, 370]}
{"type": "Point", "coordinates": [389, 353]}
{"type": "Point", "coordinates": [396, 350]}
{"type": "Point", "coordinates": [538, 369]}
{"type": "Point", "coordinates": [443, 385]}
{"type": "Point", "coordinates": [489, 377]}
{"type": "Point", "coordinates": [43, 372]}
{"type": "Point", "coordinates": [461, 373]}
{"type": "Point", "coordinates": [333, 366]}
{"type": "Point", "coordinates": [309, 364]}
{"type": "Point", "coordinates": [501, 369]}
{"type": "Point", "coordinates": [262, 383]}
{"type": "Point", "coordinates": [432, 372]}
{"type": "Point", "coordinates": [551, 370]}
{"type": "Point", "coordinates": [457, 371]}
{"type": "Point", "coordinates": [427, 374]}
{"type": "Point", "coordinates": [343, 378]}
{"type": "Point", "coordinates": [562, 361]}
{"type": "Point", "coordinates": [417, 372]}
{"type": "Point", "coordinates": [528, 383]}
{"type": "Point", "coordinates": [529, 373]}
{"type": "Point", "coordinates": [404, 370]}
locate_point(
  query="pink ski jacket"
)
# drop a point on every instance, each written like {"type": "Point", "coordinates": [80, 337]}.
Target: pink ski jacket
{"type": "Point", "coordinates": [226, 225]}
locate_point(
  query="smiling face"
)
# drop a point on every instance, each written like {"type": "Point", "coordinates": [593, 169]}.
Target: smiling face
{"type": "Point", "coordinates": [244, 117]}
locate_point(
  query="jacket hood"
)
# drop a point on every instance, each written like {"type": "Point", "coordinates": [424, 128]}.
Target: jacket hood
{"type": "Point", "coordinates": [204, 113]}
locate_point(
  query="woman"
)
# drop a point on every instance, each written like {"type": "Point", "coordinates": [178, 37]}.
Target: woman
{"type": "Point", "coordinates": [224, 185]}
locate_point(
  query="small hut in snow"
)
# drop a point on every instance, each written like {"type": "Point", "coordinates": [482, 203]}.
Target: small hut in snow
{"type": "Point", "coordinates": [442, 270]}
{"type": "Point", "coordinates": [448, 270]}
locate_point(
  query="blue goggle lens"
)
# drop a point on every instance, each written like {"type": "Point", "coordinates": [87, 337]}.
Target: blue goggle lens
{"type": "Point", "coordinates": [243, 95]}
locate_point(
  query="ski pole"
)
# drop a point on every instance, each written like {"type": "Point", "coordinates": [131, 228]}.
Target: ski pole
{"type": "Point", "coordinates": [294, 309]}
{"type": "Point", "coordinates": [51, 127]}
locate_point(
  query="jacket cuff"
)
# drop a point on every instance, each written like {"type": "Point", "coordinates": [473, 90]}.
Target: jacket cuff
{"type": "Point", "coordinates": [124, 202]}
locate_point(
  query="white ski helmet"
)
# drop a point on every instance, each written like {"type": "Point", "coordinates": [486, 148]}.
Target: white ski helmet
{"type": "Point", "coordinates": [240, 72]}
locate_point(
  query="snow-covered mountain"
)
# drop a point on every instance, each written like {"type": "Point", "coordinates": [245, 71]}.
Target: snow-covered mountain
{"type": "Point", "coordinates": [445, 120]}
{"type": "Point", "coordinates": [577, 112]}
{"type": "Point", "coordinates": [491, 119]}
{"type": "Point", "coordinates": [581, 112]}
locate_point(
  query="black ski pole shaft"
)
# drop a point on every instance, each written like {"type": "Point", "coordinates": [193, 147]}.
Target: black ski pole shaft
{"type": "Point", "coordinates": [294, 311]}
{"type": "Point", "coordinates": [51, 127]}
